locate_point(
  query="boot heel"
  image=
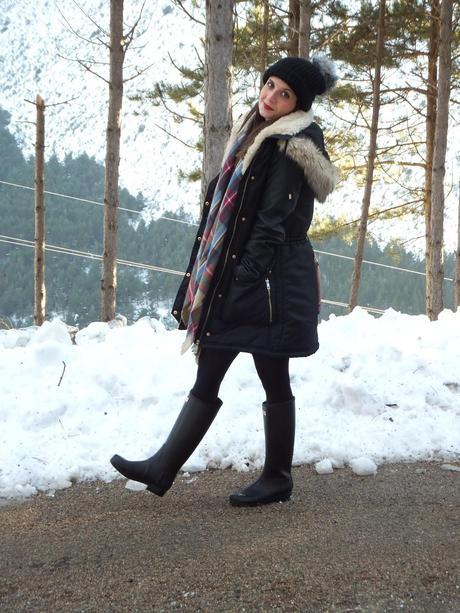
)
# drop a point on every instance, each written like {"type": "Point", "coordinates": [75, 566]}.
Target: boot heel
{"type": "Point", "coordinates": [284, 497]}
{"type": "Point", "coordinates": [159, 491]}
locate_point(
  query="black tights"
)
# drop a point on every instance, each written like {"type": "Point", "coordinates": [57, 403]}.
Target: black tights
{"type": "Point", "coordinates": [213, 365]}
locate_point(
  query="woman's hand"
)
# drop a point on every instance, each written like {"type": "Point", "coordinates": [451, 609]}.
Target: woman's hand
{"type": "Point", "coordinates": [247, 270]}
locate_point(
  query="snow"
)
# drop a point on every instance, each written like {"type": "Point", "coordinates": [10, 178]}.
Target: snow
{"type": "Point", "coordinates": [451, 467]}
{"type": "Point", "coordinates": [363, 466]}
{"type": "Point", "coordinates": [40, 52]}
{"type": "Point", "coordinates": [324, 467]}
{"type": "Point", "coordinates": [379, 390]}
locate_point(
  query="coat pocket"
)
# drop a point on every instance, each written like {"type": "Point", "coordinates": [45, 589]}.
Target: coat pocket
{"type": "Point", "coordinates": [250, 302]}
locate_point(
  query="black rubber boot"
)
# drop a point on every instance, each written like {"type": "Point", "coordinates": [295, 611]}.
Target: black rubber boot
{"type": "Point", "coordinates": [275, 482]}
{"type": "Point", "coordinates": [159, 471]}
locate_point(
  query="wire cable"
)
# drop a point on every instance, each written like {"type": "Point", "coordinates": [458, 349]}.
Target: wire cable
{"type": "Point", "coordinates": [188, 223]}
{"type": "Point", "coordinates": [22, 242]}
{"type": "Point", "coordinates": [348, 257]}
{"type": "Point", "coordinates": [120, 208]}
{"type": "Point", "coordinates": [344, 304]}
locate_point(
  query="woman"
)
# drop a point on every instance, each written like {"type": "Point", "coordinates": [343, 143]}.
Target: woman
{"type": "Point", "coordinates": [251, 284]}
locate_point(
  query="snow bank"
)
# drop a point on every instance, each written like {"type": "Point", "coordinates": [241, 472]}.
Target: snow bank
{"type": "Point", "coordinates": [379, 390]}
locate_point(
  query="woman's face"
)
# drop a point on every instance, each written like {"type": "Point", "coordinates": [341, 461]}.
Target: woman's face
{"type": "Point", "coordinates": [276, 99]}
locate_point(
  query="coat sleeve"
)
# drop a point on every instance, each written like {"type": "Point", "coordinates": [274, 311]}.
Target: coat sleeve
{"type": "Point", "coordinates": [278, 201]}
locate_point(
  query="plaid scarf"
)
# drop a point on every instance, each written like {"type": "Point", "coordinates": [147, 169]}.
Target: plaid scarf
{"type": "Point", "coordinates": [222, 205]}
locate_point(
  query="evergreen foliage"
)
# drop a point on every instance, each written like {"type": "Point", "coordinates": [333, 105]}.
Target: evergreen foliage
{"type": "Point", "coordinates": [73, 283]}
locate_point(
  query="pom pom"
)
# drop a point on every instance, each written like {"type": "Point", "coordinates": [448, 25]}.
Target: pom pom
{"type": "Point", "coordinates": [328, 71]}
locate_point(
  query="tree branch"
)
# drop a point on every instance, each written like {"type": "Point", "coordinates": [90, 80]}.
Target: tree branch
{"type": "Point", "coordinates": [63, 371]}
{"type": "Point", "coordinates": [175, 137]}
{"type": "Point", "coordinates": [181, 6]}
{"type": "Point", "coordinates": [198, 56]}
{"type": "Point", "coordinates": [376, 214]}
{"type": "Point", "coordinates": [106, 34]}
{"type": "Point", "coordinates": [404, 89]}
{"type": "Point", "coordinates": [401, 163]}
{"type": "Point", "coordinates": [394, 180]}
{"type": "Point", "coordinates": [335, 33]}
{"type": "Point", "coordinates": [48, 105]}
{"type": "Point", "coordinates": [385, 162]}
{"type": "Point", "coordinates": [409, 240]}
{"type": "Point", "coordinates": [129, 35]}
{"type": "Point", "coordinates": [138, 73]}
{"type": "Point", "coordinates": [86, 40]}
{"type": "Point", "coordinates": [162, 100]}
{"type": "Point", "coordinates": [88, 61]}
{"type": "Point", "coordinates": [387, 148]}
{"type": "Point", "coordinates": [351, 123]}
{"type": "Point", "coordinates": [92, 71]}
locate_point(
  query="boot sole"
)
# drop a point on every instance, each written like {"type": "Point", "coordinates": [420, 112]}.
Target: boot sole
{"type": "Point", "coordinates": [151, 487]}
{"type": "Point", "coordinates": [236, 501]}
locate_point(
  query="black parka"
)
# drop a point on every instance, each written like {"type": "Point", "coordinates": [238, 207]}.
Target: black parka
{"type": "Point", "coordinates": [264, 295]}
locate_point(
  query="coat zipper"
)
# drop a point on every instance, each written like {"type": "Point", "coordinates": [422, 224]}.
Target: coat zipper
{"type": "Point", "coordinates": [318, 282]}
{"type": "Point", "coordinates": [269, 293]}
{"type": "Point", "coordinates": [226, 255]}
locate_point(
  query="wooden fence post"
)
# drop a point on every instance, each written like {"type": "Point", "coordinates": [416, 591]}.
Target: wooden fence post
{"type": "Point", "coordinates": [39, 262]}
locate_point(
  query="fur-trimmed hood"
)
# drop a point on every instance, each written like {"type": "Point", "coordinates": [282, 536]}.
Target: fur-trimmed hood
{"type": "Point", "coordinates": [320, 173]}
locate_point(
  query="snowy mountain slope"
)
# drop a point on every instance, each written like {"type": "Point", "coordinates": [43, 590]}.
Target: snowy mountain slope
{"type": "Point", "coordinates": [35, 39]}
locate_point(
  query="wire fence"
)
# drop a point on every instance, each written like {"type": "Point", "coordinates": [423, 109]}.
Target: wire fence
{"type": "Point", "coordinates": [21, 242]}
{"type": "Point", "coordinates": [13, 240]}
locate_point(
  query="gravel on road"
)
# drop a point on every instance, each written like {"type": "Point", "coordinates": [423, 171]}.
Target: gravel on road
{"type": "Point", "coordinates": [389, 542]}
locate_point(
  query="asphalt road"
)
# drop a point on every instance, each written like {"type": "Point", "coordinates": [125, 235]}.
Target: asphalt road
{"type": "Point", "coordinates": [343, 543]}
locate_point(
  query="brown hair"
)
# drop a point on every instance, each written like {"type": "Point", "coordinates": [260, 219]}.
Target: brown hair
{"type": "Point", "coordinates": [256, 124]}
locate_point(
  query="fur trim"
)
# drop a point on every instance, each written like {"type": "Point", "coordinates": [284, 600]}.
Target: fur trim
{"type": "Point", "coordinates": [287, 125]}
{"type": "Point", "coordinates": [321, 175]}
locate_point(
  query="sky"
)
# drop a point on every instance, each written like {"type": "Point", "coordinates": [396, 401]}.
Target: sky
{"type": "Point", "coordinates": [379, 390]}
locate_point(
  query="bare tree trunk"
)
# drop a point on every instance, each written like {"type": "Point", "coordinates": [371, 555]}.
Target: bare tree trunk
{"type": "Point", "coordinates": [362, 230]}
{"type": "Point", "coordinates": [435, 305]}
{"type": "Point", "coordinates": [112, 161]}
{"type": "Point", "coordinates": [294, 10]}
{"type": "Point", "coordinates": [431, 95]}
{"type": "Point", "coordinates": [304, 28]}
{"type": "Point", "coordinates": [457, 260]}
{"type": "Point", "coordinates": [218, 86]}
{"type": "Point", "coordinates": [264, 42]}
{"type": "Point", "coordinates": [39, 260]}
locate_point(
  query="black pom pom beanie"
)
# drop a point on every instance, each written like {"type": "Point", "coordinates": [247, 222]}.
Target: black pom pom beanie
{"type": "Point", "coordinates": [306, 78]}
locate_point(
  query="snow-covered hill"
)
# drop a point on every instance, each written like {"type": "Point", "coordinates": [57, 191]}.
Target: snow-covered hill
{"type": "Point", "coordinates": [35, 39]}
